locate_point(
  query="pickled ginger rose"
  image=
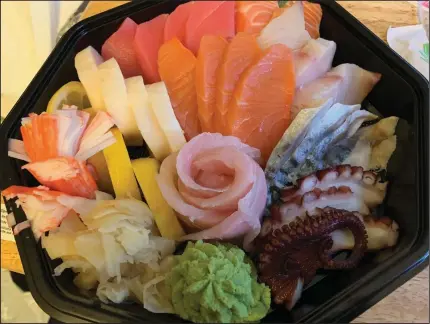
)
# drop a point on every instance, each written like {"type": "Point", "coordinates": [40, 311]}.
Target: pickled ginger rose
{"type": "Point", "coordinates": [216, 186]}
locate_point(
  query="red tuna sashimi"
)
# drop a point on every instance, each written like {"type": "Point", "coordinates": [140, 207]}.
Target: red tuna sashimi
{"type": "Point", "coordinates": [176, 22]}
{"type": "Point", "coordinates": [120, 46]}
{"type": "Point", "coordinates": [148, 40]}
{"type": "Point", "coordinates": [209, 18]}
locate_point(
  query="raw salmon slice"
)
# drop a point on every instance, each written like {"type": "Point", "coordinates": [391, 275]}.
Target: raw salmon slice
{"type": "Point", "coordinates": [252, 16]}
{"type": "Point", "coordinates": [176, 22]}
{"type": "Point", "coordinates": [147, 42]}
{"type": "Point", "coordinates": [120, 46]}
{"type": "Point", "coordinates": [209, 58]}
{"type": "Point", "coordinates": [177, 67]}
{"type": "Point", "coordinates": [239, 54]}
{"type": "Point", "coordinates": [313, 15]}
{"type": "Point", "coordinates": [259, 112]}
{"type": "Point", "coordinates": [209, 18]}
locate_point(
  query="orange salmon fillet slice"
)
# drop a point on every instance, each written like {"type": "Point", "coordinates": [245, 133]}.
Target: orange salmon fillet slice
{"type": "Point", "coordinates": [177, 65]}
{"type": "Point", "coordinates": [313, 15]}
{"type": "Point", "coordinates": [208, 59]}
{"type": "Point", "coordinates": [253, 16]}
{"type": "Point", "coordinates": [239, 54]}
{"type": "Point", "coordinates": [259, 112]}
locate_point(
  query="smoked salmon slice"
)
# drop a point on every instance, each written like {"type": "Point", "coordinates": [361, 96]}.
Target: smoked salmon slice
{"type": "Point", "coordinates": [252, 16]}
{"type": "Point", "coordinates": [242, 51]}
{"type": "Point", "coordinates": [209, 18]}
{"type": "Point", "coordinates": [313, 15]}
{"type": "Point", "coordinates": [259, 112]}
{"type": "Point", "coordinates": [148, 40]}
{"type": "Point", "coordinates": [209, 58]}
{"type": "Point", "coordinates": [177, 67]}
{"type": "Point", "coordinates": [120, 46]}
{"type": "Point", "coordinates": [176, 22]}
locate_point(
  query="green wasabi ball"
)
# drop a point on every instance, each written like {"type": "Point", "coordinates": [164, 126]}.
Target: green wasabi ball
{"type": "Point", "coordinates": [216, 283]}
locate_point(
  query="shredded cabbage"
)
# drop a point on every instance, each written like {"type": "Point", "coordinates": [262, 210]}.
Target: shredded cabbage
{"type": "Point", "coordinates": [112, 245]}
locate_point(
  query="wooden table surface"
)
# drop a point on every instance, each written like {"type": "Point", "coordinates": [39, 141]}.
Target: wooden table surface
{"type": "Point", "coordinates": [410, 302]}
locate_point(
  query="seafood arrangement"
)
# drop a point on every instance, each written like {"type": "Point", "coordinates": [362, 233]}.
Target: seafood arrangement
{"type": "Point", "coordinates": [262, 162]}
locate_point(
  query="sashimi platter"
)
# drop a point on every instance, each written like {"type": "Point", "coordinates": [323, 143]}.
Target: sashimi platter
{"type": "Point", "coordinates": [264, 167]}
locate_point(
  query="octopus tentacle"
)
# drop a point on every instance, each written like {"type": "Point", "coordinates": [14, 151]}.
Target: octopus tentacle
{"type": "Point", "coordinates": [364, 183]}
{"type": "Point", "coordinates": [337, 197]}
{"type": "Point", "coordinates": [290, 255]}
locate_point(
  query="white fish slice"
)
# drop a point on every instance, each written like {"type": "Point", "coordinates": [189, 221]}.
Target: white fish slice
{"type": "Point", "coordinates": [288, 29]}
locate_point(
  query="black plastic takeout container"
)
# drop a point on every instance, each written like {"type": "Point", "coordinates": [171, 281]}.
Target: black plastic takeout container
{"type": "Point", "coordinates": [333, 296]}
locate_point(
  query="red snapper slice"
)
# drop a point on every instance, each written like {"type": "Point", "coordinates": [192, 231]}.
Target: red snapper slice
{"type": "Point", "coordinates": [216, 186]}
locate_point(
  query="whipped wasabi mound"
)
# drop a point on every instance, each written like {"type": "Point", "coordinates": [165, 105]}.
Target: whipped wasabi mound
{"type": "Point", "coordinates": [216, 283]}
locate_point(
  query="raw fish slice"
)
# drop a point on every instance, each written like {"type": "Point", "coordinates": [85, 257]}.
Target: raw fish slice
{"type": "Point", "coordinates": [96, 137]}
{"type": "Point", "coordinates": [176, 22]}
{"type": "Point", "coordinates": [203, 143]}
{"type": "Point", "coordinates": [259, 112]}
{"type": "Point", "coordinates": [177, 66]}
{"type": "Point", "coordinates": [147, 42]}
{"type": "Point", "coordinates": [347, 84]}
{"type": "Point", "coordinates": [253, 16]}
{"type": "Point", "coordinates": [288, 28]}
{"type": "Point", "coordinates": [40, 206]}
{"type": "Point", "coordinates": [209, 18]}
{"type": "Point", "coordinates": [246, 221]}
{"type": "Point", "coordinates": [313, 15]}
{"type": "Point", "coordinates": [242, 51]}
{"type": "Point", "coordinates": [312, 148]}
{"type": "Point", "coordinates": [189, 214]}
{"type": "Point", "coordinates": [64, 174]}
{"type": "Point", "coordinates": [243, 180]}
{"type": "Point", "coordinates": [244, 194]}
{"type": "Point", "coordinates": [120, 46]}
{"type": "Point", "coordinates": [313, 60]}
{"type": "Point", "coordinates": [208, 60]}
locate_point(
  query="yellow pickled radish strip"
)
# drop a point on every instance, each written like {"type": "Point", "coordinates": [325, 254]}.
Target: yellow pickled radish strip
{"type": "Point", "coordinates": [165, 217]}
{"type": "Point", "coordinates": [98, 161]}
{"type": "Point", "coordinates": [120, 168]}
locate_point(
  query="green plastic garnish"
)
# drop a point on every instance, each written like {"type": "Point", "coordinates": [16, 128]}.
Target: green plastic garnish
{"type": "Point", "coordinates": [282, 3]}
{"type": "Point", "coordinates": [425, 53]}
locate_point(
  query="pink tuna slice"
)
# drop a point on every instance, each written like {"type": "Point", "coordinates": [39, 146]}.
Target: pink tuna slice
{"type": "Point", "coordinates": [148, 40]}
{"type": "Point", "coordinates": [209, 18]}
{"type": "Point", "coordinates": [175, 24]}
{"type": "Point", "coordinates": [120, 46]}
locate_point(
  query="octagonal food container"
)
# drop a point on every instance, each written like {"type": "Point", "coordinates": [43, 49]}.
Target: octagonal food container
{"type": "Point", "coordinates": [332, 296]}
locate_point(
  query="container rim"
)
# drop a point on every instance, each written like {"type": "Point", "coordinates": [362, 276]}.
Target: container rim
{"type": "Point", "coordinates": [332, 310]}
